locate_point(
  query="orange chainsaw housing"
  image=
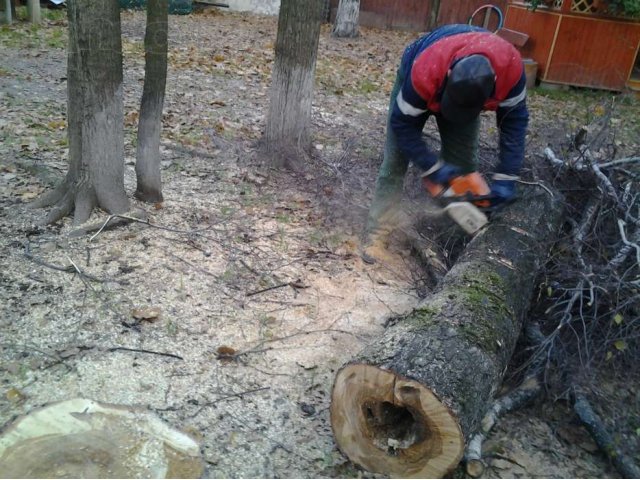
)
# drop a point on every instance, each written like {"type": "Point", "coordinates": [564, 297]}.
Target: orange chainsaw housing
{"type": "Point", "coordinates": [466, 187]}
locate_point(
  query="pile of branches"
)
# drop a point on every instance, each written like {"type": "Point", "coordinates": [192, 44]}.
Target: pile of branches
{"type": "Point", "coordinates": [589, 310]}
{"type": "Point", "coordinates": [587, 314]}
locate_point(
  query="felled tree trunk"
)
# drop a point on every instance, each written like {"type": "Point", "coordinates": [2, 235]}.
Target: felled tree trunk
{"type": "Point", "coordinates": [405, 405]}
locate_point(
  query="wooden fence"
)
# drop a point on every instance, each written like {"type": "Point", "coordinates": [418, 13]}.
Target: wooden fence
{"type": "Point", "coordinates": [416, 15]}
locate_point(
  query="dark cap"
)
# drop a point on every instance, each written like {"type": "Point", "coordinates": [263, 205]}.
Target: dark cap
{"type": "Point", "coordinates": [469, 84]}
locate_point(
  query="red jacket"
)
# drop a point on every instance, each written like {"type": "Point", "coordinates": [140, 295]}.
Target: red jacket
{"type": "Point", "coordinates": [430, 67]}
{"type": "Point", "coordinates": [422, 72]}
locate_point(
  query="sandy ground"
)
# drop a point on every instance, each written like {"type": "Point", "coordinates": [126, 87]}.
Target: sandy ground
{"type": "Point", "coordinates": [240, 259]}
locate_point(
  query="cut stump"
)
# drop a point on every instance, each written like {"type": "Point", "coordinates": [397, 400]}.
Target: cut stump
{"type": "Point", "coordinates": [407, 403]}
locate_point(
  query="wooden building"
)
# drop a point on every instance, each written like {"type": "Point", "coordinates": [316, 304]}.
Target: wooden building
{"type": "Point", "coordinates": [576, 42]}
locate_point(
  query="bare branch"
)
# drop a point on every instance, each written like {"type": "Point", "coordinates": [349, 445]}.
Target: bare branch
{"type": "Point", "coordinates": [620, 161]}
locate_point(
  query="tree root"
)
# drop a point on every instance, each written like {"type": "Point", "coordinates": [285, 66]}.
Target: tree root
{"type": "Point", "coordinates": [51, 198]}
{"type": "Point", "coordinates": [149, 196]}
{"type": "Point", "coordinates": [77, 196]}
{"type": "Point", "coordinates": [61, 209]}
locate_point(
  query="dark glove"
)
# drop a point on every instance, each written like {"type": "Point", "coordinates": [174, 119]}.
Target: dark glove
{"type": "Point", "coordinates": [503, 191]}
{"type": "Point", "coordinates": [441, 173]}
{"type": "Point", "coordinates": [436, 179]}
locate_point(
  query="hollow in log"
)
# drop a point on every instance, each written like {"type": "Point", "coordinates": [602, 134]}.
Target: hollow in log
{"type": "Point", "coordinates": [407, 403]}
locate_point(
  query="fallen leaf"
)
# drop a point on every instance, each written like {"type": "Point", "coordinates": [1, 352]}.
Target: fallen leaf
{"type": "Point", "coordinates": [131, 118]}
{"type": "Point", "coordinates": [15, 396]}
{"type": "Point", "coordinates": [57, 124]}
{"type": "Point", "coordinates": [617, 319]}
{"type": "Point", "coordinates": [225, 353]}
{"type": "Point", "coordinates": [149, 314]}
{"type": "Point", "coordinates": [28, 195]}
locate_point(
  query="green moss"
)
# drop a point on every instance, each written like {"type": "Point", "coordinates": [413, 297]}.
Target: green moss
{"type": "Point", "coordinates": [423, 316]}
{"type": "Point", "coordinates": [483, 295]}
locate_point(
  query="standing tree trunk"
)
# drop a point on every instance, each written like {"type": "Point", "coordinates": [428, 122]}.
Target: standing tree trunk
{"type": "Point", "coordinates": [8, 14]}
{"type": "Point", "coordinates": [347, 19]}
{"type": "Point", "coordinates": [433, 14]}
{"type": "Point", "coordinates": [33, 7]}
{"type": "Point", "coordinates": [149, 187]}
{"type": "Point", "coordinates": [94, 114]}
{"type": "Point", "coordinates": [406, 404]}
{"type": "Point", "coordinates": [289, 117]}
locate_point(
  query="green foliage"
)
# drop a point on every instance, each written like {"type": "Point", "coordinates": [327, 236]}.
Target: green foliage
{"type": "Point", "coordinates": [625, 8]}
{"type": "Point", "coordinates": [628, 8]}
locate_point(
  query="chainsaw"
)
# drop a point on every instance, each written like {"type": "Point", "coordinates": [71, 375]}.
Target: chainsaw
{"type": "Point", "coordinates": [465, 199]}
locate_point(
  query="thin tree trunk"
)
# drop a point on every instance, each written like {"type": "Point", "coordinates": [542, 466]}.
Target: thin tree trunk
{"type": "Point", "coordinates": [346, 25]}
{"type": "Point", "coordinates": [8, 17]}
{"type": "Point", "coordinates": [33, 6]}
{"type": "Point", "coordinates": [289, 117]}
{"type": "Point", "coordinates": [95, 115]}
{"type": "Point", "coordinates": [408, 402]}
{"type": "Point", "coordinates": [433, 14]}
{"type": "Point", "coordinates": [149, 188]}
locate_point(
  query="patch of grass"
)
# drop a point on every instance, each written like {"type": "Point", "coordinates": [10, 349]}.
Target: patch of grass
{"type": "Point", "coordinates": [230, 274]}
{"type": "Point", "coordinates": [367, 87]}
{"type": "Point", "coordinates": [570, 94]}
{"type": "Point", "coordinates": [283, 218]}
{"type": "Point", "coordinates": [324, 239]}
{"type": "Point", "coordinates": [176, 166]}
{"type": "Point", "coordinates": [193, 138]}
{"type": "Point", "coordinates": [132, 47]}
{"type": "Point", "coordinates": [226, 210]}
{"type": "Point", "coordinates": [33, 36]}
{"type": "Point", "coordinates": [57, 38]}
{"type": "Point", "coordinates": [282, 239]}
{"type": "Point", "coordinates": [54, 14]}
{"type": "Point", "coordinates": [316, 238]}
{"type": "Point", "coordinates": [172, 328]}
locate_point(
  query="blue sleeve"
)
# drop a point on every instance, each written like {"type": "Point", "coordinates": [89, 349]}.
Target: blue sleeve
{"type": "Point", "coordinates": [513, 117]}
{"type": "Point", "coordinates": [407, 119]}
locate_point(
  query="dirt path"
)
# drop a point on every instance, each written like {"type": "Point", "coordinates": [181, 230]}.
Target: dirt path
{"type": "Point", "coordinates": [244, 260]}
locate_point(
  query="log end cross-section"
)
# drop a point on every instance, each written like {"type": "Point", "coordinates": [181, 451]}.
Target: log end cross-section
{"type": "Point", "coordinates": [393, 425]}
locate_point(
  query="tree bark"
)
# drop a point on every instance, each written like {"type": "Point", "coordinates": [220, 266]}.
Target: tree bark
{"type": "Point", "coordinates": [405, 405]}
{"type": "Point", "coordinates": [433, 14]}
{"type": "Point", "coordinates": [33, 7]}
{"type": "Point", "coordinates": [346, 25]}
{"type": "Point", "coordinates": [95, 115]}
{"type": "Point", "coordinates": [8, 14]}
{"type": "Point", "coordinates": [149, 182]}
{"type": "Point", "coordinates": [289, 117]}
